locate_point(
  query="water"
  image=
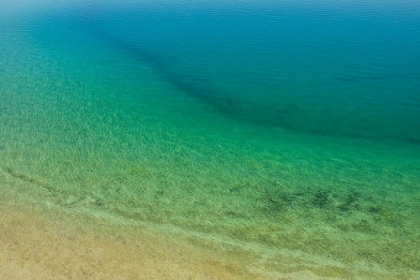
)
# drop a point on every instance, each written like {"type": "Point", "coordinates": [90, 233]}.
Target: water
{"type": "Point", "coordinates": [294, 127]}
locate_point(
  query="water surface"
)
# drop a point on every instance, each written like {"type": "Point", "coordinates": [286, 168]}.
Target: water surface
{"type": "Point", "coordinates": [294, 127]}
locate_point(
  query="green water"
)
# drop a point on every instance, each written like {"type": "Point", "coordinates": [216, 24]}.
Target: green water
{"type": "Point", "coordinates": [93, 125]}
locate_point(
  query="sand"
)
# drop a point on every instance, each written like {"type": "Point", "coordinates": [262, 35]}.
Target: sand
{"type": "Point", "coordinates": [35, 246]}
{"type": "Point", "coordinates": [44, 241]}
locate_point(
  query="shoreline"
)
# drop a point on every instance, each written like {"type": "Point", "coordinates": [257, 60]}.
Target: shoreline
{"type": "Point", "coordinates": [42, 240]}
{"type": "Point", "coordinates": [45, 242]}
{"type": "Point", "coordinates": [53, 245]}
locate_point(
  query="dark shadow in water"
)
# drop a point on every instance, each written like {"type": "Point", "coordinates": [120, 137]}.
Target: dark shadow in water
{"type": "Point", "coordinates": [200, 88]}
{"type": "Point", "coordinates": [261, 114]}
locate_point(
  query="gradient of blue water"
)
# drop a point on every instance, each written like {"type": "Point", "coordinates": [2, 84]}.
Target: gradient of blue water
{"type": "Point", "coordinates": [349, 70]}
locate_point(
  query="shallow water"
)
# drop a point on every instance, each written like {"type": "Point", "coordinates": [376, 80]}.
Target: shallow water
{"type": "Point", "coordinates": [289, 126]}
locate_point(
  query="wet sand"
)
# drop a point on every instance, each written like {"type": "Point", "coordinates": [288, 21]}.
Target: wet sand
{"type": "Point", "coordinates": [41, 241]}
{"type": "Point", "coordinates": [35, 246]}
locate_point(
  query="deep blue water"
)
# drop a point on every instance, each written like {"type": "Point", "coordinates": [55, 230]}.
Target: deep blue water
{"type": "Point", "coordinates": [349, 70]}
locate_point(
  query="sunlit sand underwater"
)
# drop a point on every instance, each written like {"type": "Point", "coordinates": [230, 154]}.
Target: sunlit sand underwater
{"type": "Point", "coordinates": [288, 134]}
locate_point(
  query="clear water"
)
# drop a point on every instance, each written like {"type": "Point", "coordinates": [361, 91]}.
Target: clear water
{"type": "Point", "coordinates": [291, 126]}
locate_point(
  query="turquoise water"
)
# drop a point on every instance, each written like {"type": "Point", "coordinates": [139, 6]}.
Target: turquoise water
{"type": "Point", "coordinates": [292, 126]}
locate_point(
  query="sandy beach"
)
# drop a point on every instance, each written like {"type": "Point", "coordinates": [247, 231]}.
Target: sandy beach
{"type": "Point", "coordinates": [42, 241]}
{"type": "Point", "coordinates": [35, 246]}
